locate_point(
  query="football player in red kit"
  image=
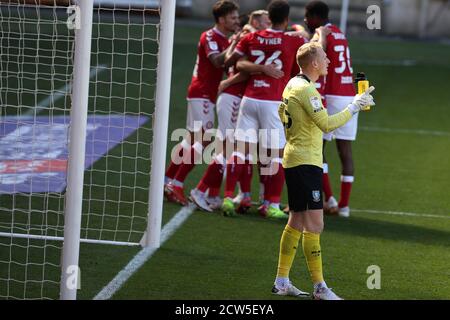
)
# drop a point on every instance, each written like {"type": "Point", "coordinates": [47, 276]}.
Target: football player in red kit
{"type": "Point", "coordinates": [202, 95]}
{"type": "Point", "coordinates": [206, 194]}
{"type": "Point", "coordinates": [259, 107]}
{"type": "Point", "coordinates": [338, 90]}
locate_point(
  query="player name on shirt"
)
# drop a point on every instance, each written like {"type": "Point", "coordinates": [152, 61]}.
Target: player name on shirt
{"type": "Point", "coordinates": [339, 80]}
{"type": "Point", "coordinates": [270, 41]}
{"type": "Point", "coordinates": [269, 47]}
{"type": "Point", "coordinates": [338, 36]}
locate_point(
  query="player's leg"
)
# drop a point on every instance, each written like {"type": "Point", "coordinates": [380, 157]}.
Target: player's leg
{"type": "Point", "coordinates": [212, 179]}
{"type": "Point", "coordinates": [262, 180]}
{"type": "Point", "coordinates": [243, 199]}
{"type": "Point", "coordinates": [345, 154]}
{"type": "Point", "coordinates": [180, 150]}
{"type": "Point", "coordinates": [206, 195]}
{"type": "Point", "coordinates": [344, 136]}
{"type": "Point", "coordinates": [272, 144]}
{"type": "Point", "coordinates": [247, 176]}
{"type": "Point", "coordinates": [177, 158]}
{"type": "Point", "coordinates": [245, 139]}
{"type": "Point", "coordinates": [313, 227]}
{"type": "Point", "coordinates": [200, 118]}
{"type": "Point", "coordinates": [289, 241]}
{"type": "Point", "coordinates": [330, 203]}
{"type": "Point", "coordinates": [311, 179]}
{"type": "Point", "coordinates": [245, 181]}
{"type": "Point", "coordinates": [238, 165]}
{"type": "Point", "coordinates": [291, 235]}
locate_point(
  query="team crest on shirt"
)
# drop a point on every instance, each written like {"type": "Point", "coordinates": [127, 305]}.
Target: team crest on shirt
{"type": "Point", "coordinates": [316, 104]}
{"type": "Point", "coordinates": [316, 195]}
{"type": "Point", "coordinates": [213, 45]}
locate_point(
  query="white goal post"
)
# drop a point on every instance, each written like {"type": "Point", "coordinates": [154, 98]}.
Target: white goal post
{"type": "Point", "coordinates": [77, 147]}
{"type": "Point", "coordinates": [344, 16]}
{"type": "Point", "coordinates": [161, 120]}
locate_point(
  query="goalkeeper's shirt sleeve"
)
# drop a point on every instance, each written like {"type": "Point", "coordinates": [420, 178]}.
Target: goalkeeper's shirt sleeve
{"type": "Point", "coordinates": [312, 104]}
{"type": "Point", "coordinates": [281, 109]}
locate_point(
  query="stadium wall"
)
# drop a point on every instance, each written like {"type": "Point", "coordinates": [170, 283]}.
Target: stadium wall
{"type": "Point", "coordinates": [412, 18]}
{"type": "Point", "coordinates": [422, 18]}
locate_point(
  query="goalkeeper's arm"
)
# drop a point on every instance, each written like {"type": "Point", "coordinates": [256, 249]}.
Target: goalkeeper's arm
{"type": "Point", "coordinates": [328, 123]}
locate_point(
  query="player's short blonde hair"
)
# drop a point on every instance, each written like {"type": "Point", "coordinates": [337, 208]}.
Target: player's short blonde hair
{"type": "Point", "coordinates": [306, 53]}
{"type": "Point", "coordinates": [256, 15]}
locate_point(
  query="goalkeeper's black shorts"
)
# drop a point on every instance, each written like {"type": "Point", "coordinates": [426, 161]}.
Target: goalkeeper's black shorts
{"type": "Point", "coordinates": [304, 186]}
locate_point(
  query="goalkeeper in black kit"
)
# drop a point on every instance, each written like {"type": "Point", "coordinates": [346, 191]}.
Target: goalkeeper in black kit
{"type": "Point", "coordinates": [305, 119]}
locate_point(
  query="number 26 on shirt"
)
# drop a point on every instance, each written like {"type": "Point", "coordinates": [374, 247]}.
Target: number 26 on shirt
{"type": "Point", "coordinates": [273, 59]}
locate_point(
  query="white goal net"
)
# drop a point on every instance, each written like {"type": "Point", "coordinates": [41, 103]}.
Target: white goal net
{"type": "Point", "coordinates": [37, 48]}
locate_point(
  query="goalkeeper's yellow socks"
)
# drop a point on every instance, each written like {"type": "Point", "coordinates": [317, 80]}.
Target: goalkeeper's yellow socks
{"type": "Point", "coordinates": [311, 249]}
{"type": "Point", "coordinates": [288, 248]}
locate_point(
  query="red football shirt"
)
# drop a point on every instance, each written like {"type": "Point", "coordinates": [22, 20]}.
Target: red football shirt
{"type": "Point", "coordinates": [206, 77]}
{"type": "Point", "coordinates": [269, 47]}
{"type": "Point", "coordinates": [339, 79]}
{"type": "Point", "coordinates": [236, 89]}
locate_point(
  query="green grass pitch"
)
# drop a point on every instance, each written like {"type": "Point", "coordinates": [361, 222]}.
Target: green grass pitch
{"type": "Point", "coordinates": [402, 165]}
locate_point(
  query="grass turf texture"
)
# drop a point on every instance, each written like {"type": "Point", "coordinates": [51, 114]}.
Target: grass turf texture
{"type": "Point", "coordinates": [212, 257]}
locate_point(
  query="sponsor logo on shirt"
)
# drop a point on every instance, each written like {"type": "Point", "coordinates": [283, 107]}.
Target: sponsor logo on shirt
{"type": "Point", "coordinates": [338, 36]}
{"type": "Point", "coordinates": [213, 45]}
{"type": "Point", "coordinates": [346, 79]}
{"type": "Point", "coordinates": [315, 103]}
{"type": "Point", "coordinates": [261, 84]}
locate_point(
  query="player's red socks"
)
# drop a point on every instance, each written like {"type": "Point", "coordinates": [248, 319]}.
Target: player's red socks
{"type": "Point", "coordinates": [275, 182]}
{"type": "Point", "coordinates": [172, 170]}
{"type": "Point", "coordinates": [187, 167]}
{"type": "Point", "coordinates": [212, 179]}
{"type": "Point", "coordinates": [235, 165]}
{"type": "Point", "coordinates": [346, 188]}
{"type": "Point", "coordinates": [173, 167]}
{"type": "Point", "coordinates": [262, 182]}
{"type": "Point", "coordinates": [326, 183]}
{"type": "Point", "coordinates": [214, 192]}
{"type": "Point", "coordinates": [245, 180]}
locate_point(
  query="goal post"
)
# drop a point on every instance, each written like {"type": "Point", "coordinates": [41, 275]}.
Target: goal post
{"type": "Point", "coordinates": [160, 123]}
{"type": "Point", "coordinates": [77, 147]}
{"type": "Point", "coordinates": [344, 16]}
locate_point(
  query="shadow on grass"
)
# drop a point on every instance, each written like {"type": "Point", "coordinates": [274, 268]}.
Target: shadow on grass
{"type": "Point", "coordinates": [364, 227]}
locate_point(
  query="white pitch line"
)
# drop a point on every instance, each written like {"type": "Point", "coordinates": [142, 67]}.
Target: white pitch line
{"type": "Point", "coordinates": [399, 213]}
{"type": "Point", "coordinates": [145, 254]}
{"type": "Point", "coordinates": [59, 93]}
{"type": "Point", "coordinates": [409, 131]}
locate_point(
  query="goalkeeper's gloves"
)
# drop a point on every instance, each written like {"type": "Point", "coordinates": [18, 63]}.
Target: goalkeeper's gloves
{"type": "Point", "coordinates": [361, 101]}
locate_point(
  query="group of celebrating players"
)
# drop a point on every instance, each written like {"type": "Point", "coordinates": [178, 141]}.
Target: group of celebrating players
{"type": "Point", "coordinates": [249, 98]}
{"type": "Point", "coordinates": [271, 112]}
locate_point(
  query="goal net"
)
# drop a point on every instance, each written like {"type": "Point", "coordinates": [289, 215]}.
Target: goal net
{"type": "Point", "coordinates": [37, 45]}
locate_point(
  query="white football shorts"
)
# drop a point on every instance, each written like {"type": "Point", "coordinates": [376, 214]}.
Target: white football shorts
{"type": "Point", "coordinates": [227, 114]}
{"type": "Point", "coordinates": [200, 114]}
{"type": "Point", "coordinates": [259, 121]}
{"type": "Point", "coordinates": [348, 131]}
